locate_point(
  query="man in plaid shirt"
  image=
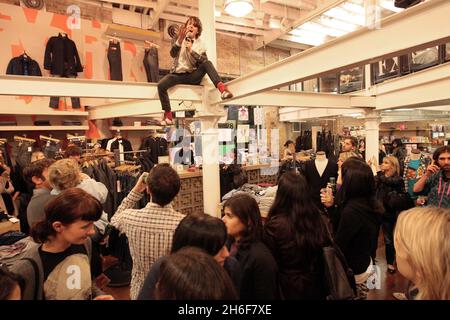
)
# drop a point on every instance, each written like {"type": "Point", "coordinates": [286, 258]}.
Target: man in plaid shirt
{"type": "Point", "coordinates": [150, 229]}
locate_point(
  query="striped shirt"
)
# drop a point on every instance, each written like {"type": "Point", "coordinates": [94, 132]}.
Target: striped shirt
{"type": "Point", "coordinates": [149, 231]}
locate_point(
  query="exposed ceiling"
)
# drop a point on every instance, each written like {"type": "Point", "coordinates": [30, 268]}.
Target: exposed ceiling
{"type": "Point", "coordinates": [296, 24]}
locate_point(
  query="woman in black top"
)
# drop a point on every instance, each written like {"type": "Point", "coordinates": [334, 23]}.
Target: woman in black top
{"type": "Point", "coordinates": [295, 233]}
{"type": "Point", "coordinates": [258, 267]}
{"type": "Point", "coordinates": [357, 219]}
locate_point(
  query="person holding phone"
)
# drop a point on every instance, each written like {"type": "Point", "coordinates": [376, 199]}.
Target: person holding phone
{"type": "Point", "coordinates": [436, 180]}
{"type": "Point", "coordinates": [190, 64]}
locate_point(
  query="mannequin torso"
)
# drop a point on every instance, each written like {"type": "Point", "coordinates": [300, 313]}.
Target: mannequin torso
{"type": "Point", "coordinates": [321, 162]}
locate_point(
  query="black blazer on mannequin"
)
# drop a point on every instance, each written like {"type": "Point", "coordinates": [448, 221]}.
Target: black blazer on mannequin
{"type": "Point", "coordinates": [61, 57]}
{"type": "Point", "coordinates": [316, 182]}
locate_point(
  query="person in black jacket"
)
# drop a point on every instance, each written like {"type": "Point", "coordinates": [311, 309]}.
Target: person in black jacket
{"type": "Point", "coordinates": [356, 219]}
{"type": "Point", "coordinates": [295, 233]}
{"type": "Point", "coordinates": [23, 65]}
{"type": "Point", "coordinates": [389, 186]}
{"type": "Point", "coordinates": [190, 64]}
{"type": "Point", "coordinates": [258, 267]}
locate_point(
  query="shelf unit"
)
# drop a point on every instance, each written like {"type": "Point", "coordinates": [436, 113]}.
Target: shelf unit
{"type": "Point", "coordinates": [136, 128]}
{"type": "Point", "coordinates": [44, 128]}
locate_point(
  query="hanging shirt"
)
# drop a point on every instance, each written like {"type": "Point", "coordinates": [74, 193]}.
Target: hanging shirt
{"type": "Point", "coordinates": [413, 174]}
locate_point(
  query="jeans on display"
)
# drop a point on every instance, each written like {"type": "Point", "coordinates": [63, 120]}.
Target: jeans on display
{"type": "Point", "coordinates": [50, 149]}
{"type": "Point", "coordinates": [23, 157]}
{"type": "Point", "coordinates": [151, 64]}
{"type": "Point", "coordinates": [54, 101]}
{"type": "Point", "coordinates": [115, 61]}
{"type": "Point", "coordinates": [193, 78]}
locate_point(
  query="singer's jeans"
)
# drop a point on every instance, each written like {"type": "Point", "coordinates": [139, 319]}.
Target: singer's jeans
{"type": "Point", "coordinates": [193, 78]}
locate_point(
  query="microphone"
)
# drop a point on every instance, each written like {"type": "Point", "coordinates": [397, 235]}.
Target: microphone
{"type": "Point", "coordinates": [189, 37]}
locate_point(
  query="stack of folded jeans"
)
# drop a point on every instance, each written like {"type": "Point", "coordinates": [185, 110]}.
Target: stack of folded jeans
{"type": "Point", "coordinates": [42, 123]}
{"type": "Point", "coordinates": [152, 122]}
{"type": "Point", "coordinates": [8, 123]}
{"type": "Point", "coordinates": [71, 123]}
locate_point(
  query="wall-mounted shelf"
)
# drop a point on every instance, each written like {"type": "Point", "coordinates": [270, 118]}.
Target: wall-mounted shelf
{"type": "Point", "coordinates": [44, 128]}
{"type": "Point", "coordinates": [136, 128]}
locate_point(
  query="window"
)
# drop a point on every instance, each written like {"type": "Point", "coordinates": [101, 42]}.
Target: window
{"type": "Point", "coordinates": [385, 69]}
{"type": "Point", "coordinates": [351, 80]}
{"type": "Point", "coordinates": [311, 85]}
{"type": "Point", "coordinates": [329, 83]}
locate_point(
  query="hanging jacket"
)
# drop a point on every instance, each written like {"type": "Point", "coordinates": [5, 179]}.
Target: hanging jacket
{"type": "Point", "coordinates": [23, 66]}
{"type": "Point", "coordinates": [61, 56]}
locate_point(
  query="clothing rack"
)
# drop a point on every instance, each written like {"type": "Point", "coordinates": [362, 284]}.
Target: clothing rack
{"type": "Point", "coordinates": [117, 154]}
{"type": "Point", "coordinates": [23, 139]}
{"type": "Point", "coordinates": [72, 137]}
{"type": "Point", "coordinates": [49, 139]}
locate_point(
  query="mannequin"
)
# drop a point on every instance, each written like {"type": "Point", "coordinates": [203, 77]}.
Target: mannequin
{"type": "Point", "coordinates": [321, 162]}
{"type": "Point", "coordinates": [318, 174]}
{"type": "Point", "coordinates": [414, 167]}
{"type": "Point", "coordinates": [415, 154]}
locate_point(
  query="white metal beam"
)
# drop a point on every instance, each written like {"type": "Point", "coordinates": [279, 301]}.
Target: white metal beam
{"type": "Point", "coordinates": [430, 28]}
{"type": "Point", "coordinates": [302, 18]}
{"type": "Point", "coordinates": [42, 86]}
{"type": "Point", "coordinates": [429, 87]}
{"type": "Point", "coordinates": [316, 113]}
{"type": "Point", "coordinates": [156, 13]}
{"type": "Point", "coordinates": [131, 108]}
{"type": "Point", "coordinates": [280, 98]}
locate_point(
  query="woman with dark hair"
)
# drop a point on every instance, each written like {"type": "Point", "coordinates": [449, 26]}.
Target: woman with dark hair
{"type": "Point", "coordinates": [399, 151]}
{"type": "Point", "coordinates": [258, 267]}
{"type": "Point", "coordinates": [356, 219]}
{"type": "Point", "coordinates": [11, 285]}
{"type": "Point", "coordinates": [289, 150]}
{"type": "Point", "coordinates": [295, 232]}
{"type": "Point", "coordinates": [192, 274]}
{"type": "Point", "coordinates": [202, 231]}
{"type": "Point", "coordinates": [60, 267]}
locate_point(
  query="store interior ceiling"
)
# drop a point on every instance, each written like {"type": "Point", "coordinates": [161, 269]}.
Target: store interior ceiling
{"type": "Point", "coordinates": [286, 24]}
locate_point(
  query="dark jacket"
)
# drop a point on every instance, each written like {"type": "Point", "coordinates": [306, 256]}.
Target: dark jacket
{"type": "Point", "coordinates": [317, 182]}
{"type": "Point", "coordinates": [258, 272]}
{"type": "Point", "coordinates": [387, 187]}
{"type": "Point", "coordinates": [300, 271]}
{"type": "Point", "coordinates": [61, 57]}
{"type": "Point", "coordinates": [20, 64]}
{"type": "Point", "coordinates": [357, 232]}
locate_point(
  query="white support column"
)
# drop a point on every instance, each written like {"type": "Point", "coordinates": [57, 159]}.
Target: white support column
{"type": "Point", "coordinates": [371, 124]}
{"type": "Point", "coordinates": [206, 15]}
{"type": "Point", "coordinates": [210, 171]}
{"type": "Point", "coordinates": [210, 141]}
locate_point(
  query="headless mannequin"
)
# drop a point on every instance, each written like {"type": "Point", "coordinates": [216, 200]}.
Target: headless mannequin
{"type": "Point", "coordinates": [415, 154]}
{"type": "Point", "coordinates": [321, 162]}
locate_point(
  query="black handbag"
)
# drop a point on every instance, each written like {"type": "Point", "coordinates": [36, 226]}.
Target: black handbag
{"type": "Point", "coordinates": [339, 278]}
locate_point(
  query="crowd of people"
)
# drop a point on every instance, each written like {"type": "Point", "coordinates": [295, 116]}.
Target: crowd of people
{"type": "Point", "coordinates": [178, 257]}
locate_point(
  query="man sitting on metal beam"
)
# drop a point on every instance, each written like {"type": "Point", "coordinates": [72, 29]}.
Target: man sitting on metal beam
{"type": "Point", "coordinates": [190, 64]}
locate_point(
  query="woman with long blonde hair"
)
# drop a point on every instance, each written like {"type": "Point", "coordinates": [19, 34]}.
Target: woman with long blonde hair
{"type": "Point", "coordinates": [423, 251]}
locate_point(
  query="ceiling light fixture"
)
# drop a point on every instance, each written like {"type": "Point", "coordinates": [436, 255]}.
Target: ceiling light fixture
{"type": "Point", "coordinates": [238, 8]}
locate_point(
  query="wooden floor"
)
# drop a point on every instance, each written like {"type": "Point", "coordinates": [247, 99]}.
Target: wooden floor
{"type": "Point", "coordinates": [389, 282]}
